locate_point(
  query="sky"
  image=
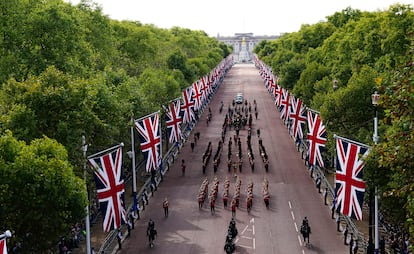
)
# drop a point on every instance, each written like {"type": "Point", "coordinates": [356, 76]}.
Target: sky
{"type": "Point", "coordinates": [227, 17]}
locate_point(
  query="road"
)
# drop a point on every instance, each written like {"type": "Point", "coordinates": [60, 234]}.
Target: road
{"type": "Point", "coordinates": [189, 229]}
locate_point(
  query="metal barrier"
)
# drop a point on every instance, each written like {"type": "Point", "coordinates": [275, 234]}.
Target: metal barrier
{"type": "Point", "coordinates": [302, 148]}
{"type": "Point", "coordinates": [151, 184]}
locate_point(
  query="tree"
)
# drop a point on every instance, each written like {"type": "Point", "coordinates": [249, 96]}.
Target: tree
{"type": "Point", "coordinates": [41, 198]}
{"type": "Point", "coordinates": [339, 19]}
{"type": "Point", "coordinates": [395, 151]}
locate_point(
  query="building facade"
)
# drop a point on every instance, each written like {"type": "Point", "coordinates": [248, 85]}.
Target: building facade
{"type": "Point", "coordinates": [243, 44]}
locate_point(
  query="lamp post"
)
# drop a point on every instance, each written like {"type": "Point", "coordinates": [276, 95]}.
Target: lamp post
{"type": "Point", "coordinates": [87, 222]}
{"type": "Point", "coordinates": [375, 98]}
{"type": "Point", "coordinates": [131, 155]}
{"type": "Point", "coordinates": [334, 88]}
{"type": "Point", "coordinates": [6, 234]}
{"type": "Point", "coordinates": [335, 84]}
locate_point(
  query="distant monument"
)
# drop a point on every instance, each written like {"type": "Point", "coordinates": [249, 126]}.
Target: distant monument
{"type": "Point", "coordinates": [244, 56]}
{"type": "Point", "coordinates": [244, 43]}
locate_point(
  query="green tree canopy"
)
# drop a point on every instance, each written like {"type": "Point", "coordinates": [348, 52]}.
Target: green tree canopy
{"type": "Point", "coordinates": [38, 187]}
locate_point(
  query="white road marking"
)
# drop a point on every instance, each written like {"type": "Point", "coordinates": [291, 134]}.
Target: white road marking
{"type": "Point", "coordinates": [245, 228]}
{"type": "Point", "coordinates": [244, 246]}
{"type": "Point", "coordinates": [248, 238]}
{"type": "Point", "coordinates": [300, 240]}
{"type": "Point", "coordinates": [296, 227]}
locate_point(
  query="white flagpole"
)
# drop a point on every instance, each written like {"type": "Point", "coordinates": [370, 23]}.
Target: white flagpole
{"type": "Point", "coordinates": [159, 129]}
{"type": "Point", "coordinates": [312, 110]}
{"type": "Point", "coordinates": [351, 141]}
{"type": "Point", "coordinates": [104, 151]}
{"type": "Point", "coordinates": [87, 222]}
{"type": "Point", "coordinates": [134, 175]}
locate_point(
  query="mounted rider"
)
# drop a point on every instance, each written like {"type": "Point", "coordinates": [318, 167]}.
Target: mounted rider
{"type": "Point", "coordinates": [305, 230]}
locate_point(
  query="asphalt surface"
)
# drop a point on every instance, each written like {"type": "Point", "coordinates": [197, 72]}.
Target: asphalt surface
{"type": "Point", "coordinates": [188, 229]}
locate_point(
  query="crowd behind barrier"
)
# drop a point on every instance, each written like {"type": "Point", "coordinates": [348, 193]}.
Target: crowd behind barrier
{"type": "Point", "coordinates": [110, 244]}
{"type": "Point", "coordinates": [151, 183]}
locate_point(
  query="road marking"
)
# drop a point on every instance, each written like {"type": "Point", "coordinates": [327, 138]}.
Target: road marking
{"type": "Point", "coordinates": [247, 241]}
{"type": "Point", "coordinates": [296, 227]}
{"type": "Point", "coordinates": [300, 240]}
{"type": "Point", "coordinates": [247, 247]}
{"type": "Point", "coordinates": [245, 228]}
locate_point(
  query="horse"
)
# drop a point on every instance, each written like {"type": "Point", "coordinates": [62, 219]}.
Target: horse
{"type": "Point", "coordinates": [305, 230]}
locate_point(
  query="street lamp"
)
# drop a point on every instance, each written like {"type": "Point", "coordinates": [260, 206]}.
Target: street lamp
{"type": "Point", "coordinates": [375, 99]}
{"type": "Point", "coordinates": [6, 234]}
{"type": "Point", "coordinates": [87, 221]}
{"type": "Point", "coordinates": [335, 84]}
{"type": "Point", "coordinates": [131, 155]}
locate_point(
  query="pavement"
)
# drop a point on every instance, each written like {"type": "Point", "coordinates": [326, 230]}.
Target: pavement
{"type": "Point", "coordinates": [188, 229]}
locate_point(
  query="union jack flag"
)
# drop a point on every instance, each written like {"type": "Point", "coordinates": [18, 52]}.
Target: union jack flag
{"type": "Point", "coordinates": [197, 95]}
{"type": "Point", "coordinates": [150, 136]}
{"type": "Point", "coordinates": [188, 105]}
{"type": "Point", "coordinates": [298, 116]}
{"type": "Point", "coordinates": [350, 187]}
{"type": "Point", "coordinates": [268, 80]}
{"type": "Point", "coordinates": [316, 139]}
{"type": "Point", "coordinates": [278, 96]}
{"type": "Point", "coordinates": [272, 85]}
{"type": "Point", "coordinates": [3, 247]}
{"type": "Point", "coordinates": [110, 187]}
{"type": "Point", "coordinates": [284, 106]}
{"type": "Point", "coordinates": [206, 88]}
{"type": "Point", "coordinates": [173, 120]}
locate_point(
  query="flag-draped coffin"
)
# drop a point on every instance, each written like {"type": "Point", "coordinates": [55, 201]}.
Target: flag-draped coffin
{"type": "Point", "coordinates": [349, 186]}
{"type": "Point", "coordinates": [110, 186]}
{"type": "Point", "coordinates": [316, 139]}
{"type": "Point", "coordinates": [173, 120]}
{"type": "Point", "coordinates": [149, 134]}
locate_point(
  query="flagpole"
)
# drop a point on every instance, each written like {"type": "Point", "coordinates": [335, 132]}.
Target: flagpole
{"type": "Point", "coordinates": [104, 151]}
{"type": "Point", "coordinates": [351, 141]}
{"type": "Point", "coordinates": [139, 119]}
{"type": "Point", "coordinates": [87, 221]}
{"type": "Point", "coordinates": [312, 110]}
{"type": "Point", "coordinates": [134, 174]}
{"type": "Point", "coordinates": [159, 129]}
